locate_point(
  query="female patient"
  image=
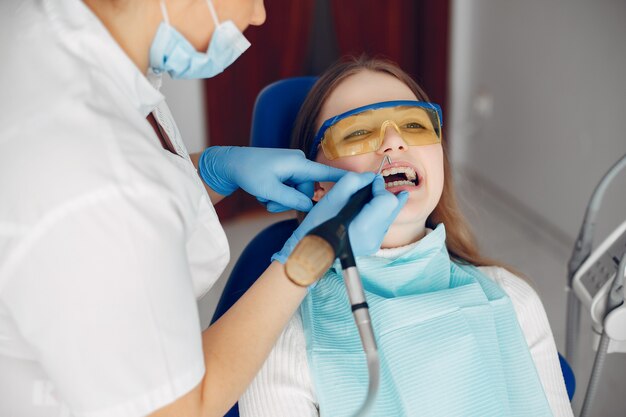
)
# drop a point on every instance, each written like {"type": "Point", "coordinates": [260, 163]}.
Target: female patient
{"type": "Point", "coordinates": [458, 335]}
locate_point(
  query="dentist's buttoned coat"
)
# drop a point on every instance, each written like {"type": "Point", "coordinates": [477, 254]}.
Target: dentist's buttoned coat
{"type": "Point", "coordinates": [106, 239]}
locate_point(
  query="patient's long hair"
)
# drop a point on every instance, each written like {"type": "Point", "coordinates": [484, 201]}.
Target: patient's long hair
{"type": "Point", "coordinates": [460, 241]}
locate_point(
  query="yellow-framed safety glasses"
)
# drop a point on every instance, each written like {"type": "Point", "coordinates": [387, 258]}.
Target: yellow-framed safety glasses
{"type": "Point", "coordinates": [362, 130]}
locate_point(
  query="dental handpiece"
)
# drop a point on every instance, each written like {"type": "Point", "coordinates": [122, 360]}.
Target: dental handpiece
{"type": "Point", "coordinates": [360, 312]}
{"type": "Point", "coordinates": [317, 251]}
{"type": "Point", "coordinates": [314, 255]}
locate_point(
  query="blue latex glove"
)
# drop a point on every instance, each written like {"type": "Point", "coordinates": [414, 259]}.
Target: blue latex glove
{"type": "Point", "coordinates": [368, 228]}
{"type": "Point", "coordinates": [282, 179]}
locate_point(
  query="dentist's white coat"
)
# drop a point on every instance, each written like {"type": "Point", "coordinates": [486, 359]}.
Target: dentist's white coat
{"type": "Point", "coordinates": [106, 239]}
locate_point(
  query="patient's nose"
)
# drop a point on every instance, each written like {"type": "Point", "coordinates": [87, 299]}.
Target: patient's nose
{"type": "Point", "coordinates": [392, 140]}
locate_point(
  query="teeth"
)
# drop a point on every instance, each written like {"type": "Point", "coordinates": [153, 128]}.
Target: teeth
{"type": "Point", "coordinates": [398, 183]}
{"type": "Point", "coordinates": [408, 171]}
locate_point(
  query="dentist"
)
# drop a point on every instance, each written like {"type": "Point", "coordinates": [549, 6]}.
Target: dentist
{"type": "Point", "coordinates": [107, 229]}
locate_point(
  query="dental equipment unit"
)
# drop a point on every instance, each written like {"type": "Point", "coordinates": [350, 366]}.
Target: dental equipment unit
{"type": "Point", "coordinates": [315, 254]}
{"type": "Point", "coordinates": [597, 280]}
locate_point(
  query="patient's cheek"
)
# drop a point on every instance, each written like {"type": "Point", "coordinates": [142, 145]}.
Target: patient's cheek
{"type": "Point", "coordinates": [433, 161]}
{"type": "Point", "coordinates": [355, 163]}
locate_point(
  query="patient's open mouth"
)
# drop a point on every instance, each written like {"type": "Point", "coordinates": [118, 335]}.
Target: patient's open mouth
{"type": "Point", "coordinates": [400, 176]}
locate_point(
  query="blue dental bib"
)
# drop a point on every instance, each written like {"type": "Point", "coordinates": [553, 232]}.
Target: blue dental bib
{"type": "Point", "coordinates": [448, 339]}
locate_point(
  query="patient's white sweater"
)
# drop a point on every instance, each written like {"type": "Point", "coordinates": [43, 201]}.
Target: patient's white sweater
{"type": "Point", "coordinates": [283, 387]}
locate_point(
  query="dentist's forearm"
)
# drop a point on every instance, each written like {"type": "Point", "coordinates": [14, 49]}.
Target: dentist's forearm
{"type": "Point", "coordinates": [215, 197]}
{"type": "Point", "coordinates": [236, 346]}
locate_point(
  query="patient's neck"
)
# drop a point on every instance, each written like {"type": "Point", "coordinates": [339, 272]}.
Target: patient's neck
{"type": "Point", "coordinates": [403, 234]}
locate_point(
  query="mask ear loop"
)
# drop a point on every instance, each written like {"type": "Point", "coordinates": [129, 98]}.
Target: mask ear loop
{"type": "Point", "coordinates": [164, 12]}
{"type": "Point", "coordinates": [167, 18]}
{"type": "Point", "coordinates": [213, 13]}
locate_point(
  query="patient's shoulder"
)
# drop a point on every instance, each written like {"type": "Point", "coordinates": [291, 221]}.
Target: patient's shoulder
{"type": "Point", "coordinates": [517, 288]}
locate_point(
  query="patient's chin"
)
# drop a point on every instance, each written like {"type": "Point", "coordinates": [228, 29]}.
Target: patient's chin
{"type": "Point", "coordinates": [412, 216]}
{"type": "Point", "coordinates": [402, 234]}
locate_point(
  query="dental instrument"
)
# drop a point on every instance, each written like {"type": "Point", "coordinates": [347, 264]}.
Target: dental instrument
{"type": "Point", "coordinates": [605, 299]}
{"type": "Point", "coordinates": [597, 280]}
{"type": "Point", "coordinates": [315, 254]}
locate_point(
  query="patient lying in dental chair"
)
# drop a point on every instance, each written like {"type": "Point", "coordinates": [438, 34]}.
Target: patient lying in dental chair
{"type": "Point", "coordinates": [458, 334]}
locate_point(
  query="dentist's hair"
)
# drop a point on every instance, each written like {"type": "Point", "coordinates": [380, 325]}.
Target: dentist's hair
{"type": "Point", "coordinates": [460, 241]}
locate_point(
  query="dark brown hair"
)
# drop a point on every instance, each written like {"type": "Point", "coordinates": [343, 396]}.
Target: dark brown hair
{"type": "Point", "coordinates": [460, 241]}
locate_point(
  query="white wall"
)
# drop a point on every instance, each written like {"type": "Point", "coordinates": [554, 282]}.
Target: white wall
{"type": "Point", "coordinates": [186, 101]}
{"type": "Point", "coordinates": [538, 93]}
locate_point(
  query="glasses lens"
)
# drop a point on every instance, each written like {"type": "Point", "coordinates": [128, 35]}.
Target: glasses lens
{"type": "Point", "coordinates": [364, 132]}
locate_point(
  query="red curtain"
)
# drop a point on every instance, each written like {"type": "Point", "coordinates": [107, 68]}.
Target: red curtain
{"type": "Point", "coordinates": [278, 51]}
{"type": "Point", "coordinates": [412, 33]}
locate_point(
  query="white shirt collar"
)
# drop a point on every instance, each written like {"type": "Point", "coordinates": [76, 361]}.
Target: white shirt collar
{"type": "Point", "coordinates": [85, 35]}
{"type": "Point", "coordinates": [393, 253]}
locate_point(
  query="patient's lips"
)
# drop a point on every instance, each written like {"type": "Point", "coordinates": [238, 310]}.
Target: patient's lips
{"type": "Point", "coordinates": [401, 176]}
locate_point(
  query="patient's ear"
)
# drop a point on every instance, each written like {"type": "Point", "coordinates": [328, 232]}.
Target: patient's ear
{"type": "Point", "coordinates": [320, 191]}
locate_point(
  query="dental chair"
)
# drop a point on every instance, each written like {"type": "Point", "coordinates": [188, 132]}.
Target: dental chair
{"type": "Point", "coordinates": [274, 113]}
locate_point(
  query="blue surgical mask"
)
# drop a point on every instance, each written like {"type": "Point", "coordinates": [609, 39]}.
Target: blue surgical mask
{"type": "Point", "coordinates": [172, 53]}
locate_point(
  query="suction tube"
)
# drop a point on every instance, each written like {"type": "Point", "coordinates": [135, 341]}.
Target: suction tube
{"type": "Point", "coordinates": [360, 311]}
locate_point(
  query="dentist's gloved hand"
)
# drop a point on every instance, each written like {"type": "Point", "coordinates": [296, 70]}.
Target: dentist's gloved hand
{"type": "Point", "coordinates": [368, 228]}
{"type": "Point", "coordinates": [282, 179]}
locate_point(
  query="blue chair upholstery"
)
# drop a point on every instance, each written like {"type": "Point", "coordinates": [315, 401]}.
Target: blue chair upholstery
{"type": "Point", "coordinates": [254, 259]}
{"type": "Point", "coordinates": [273, 116]}
{"type": "Point", "coordinates": [275, 110]}
{"type": "Point", "coordinates": [568, 376]}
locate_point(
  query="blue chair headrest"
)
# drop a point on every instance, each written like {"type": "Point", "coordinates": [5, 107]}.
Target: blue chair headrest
{"type": "Point", "coordinates": [275, 110]}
